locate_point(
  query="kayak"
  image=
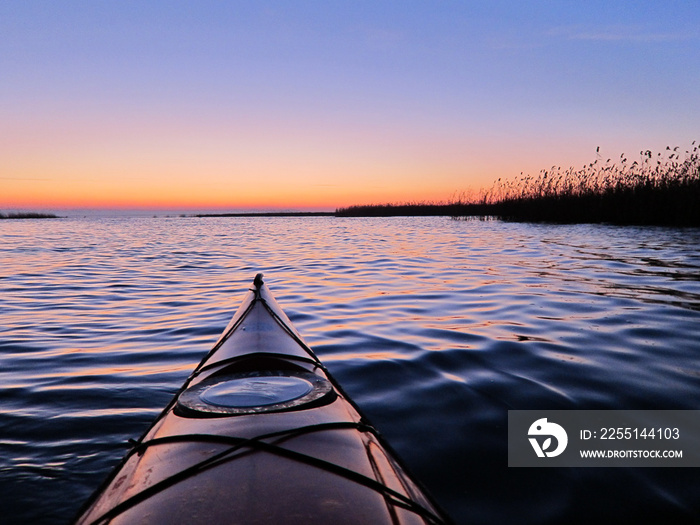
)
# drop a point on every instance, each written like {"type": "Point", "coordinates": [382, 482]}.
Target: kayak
{"type": "Point", "coordinates": [261, 433]}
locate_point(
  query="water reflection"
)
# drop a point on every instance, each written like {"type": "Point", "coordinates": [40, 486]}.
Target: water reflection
{"type": "Point", "coordinates": [435, 327]}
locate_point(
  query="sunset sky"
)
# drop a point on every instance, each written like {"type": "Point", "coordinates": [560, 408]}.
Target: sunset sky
{"type": "Point", "coordinates": [314, 105]}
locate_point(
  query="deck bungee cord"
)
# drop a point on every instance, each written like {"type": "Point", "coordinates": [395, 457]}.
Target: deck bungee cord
{"type": "Point", "coordinates": [257, 444]}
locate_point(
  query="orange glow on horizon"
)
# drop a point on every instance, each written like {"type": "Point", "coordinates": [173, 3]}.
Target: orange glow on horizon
{"type": "Point", "coordinates": [64, 196]}
{"type": "Point", "coordinates": [259, 191]}
{"type": "Point", "coordinates": [155, 162]}
{"type": "Point", "coordinates": [161, 166]}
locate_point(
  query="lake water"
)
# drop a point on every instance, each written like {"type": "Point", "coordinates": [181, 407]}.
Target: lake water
{"type": "Point", "coordinates": [435, 327]}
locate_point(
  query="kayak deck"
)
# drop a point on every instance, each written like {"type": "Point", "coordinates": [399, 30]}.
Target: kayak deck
{"type": "Point", "coordinates": [261, 433]}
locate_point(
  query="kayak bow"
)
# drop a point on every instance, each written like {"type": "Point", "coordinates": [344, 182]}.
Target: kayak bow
{"type": "Point", "coordinates": [261, 433]}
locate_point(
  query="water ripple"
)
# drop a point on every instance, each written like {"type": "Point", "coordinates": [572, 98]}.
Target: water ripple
{"type": "Point", "coordinates": [435, 327]}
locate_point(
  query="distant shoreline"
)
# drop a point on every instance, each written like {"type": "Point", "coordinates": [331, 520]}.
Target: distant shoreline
{"type": "Point", "coordinates": [270, 214]}
{"type": "Point", "coordinates": [28, 215]}
{"type": "Point", "coordinates": [370, 210]}
{"type": "Point", "coordinates": [626, 206]}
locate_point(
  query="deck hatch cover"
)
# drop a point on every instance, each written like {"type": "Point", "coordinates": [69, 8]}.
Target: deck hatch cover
{"type": "Point", "coordinates": [254, 392]}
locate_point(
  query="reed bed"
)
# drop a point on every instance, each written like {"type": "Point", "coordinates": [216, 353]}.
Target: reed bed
{"type": "Point", "coordinates": [402, 209]}
{"type": "Point", "coordinates": [661, 188]}
{"type": "Point", "coordinates": [656, 189]}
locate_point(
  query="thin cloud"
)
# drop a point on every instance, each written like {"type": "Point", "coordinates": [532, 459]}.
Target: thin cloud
{"type": "Point", "coordinates": [629, 34]}
{"type": "Point", "coordinates": [21, 178]}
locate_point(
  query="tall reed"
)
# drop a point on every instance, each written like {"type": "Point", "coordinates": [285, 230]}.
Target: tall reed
{"type": "Point", "coordinates": [661, 188]}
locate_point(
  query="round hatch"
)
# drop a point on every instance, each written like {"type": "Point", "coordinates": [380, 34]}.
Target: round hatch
{"type": "Point", "coordinates": [254, 392]}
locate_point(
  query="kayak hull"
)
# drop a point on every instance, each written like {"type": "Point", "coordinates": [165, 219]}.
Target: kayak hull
{"type": "Point", "coordinates": [261, 433]}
